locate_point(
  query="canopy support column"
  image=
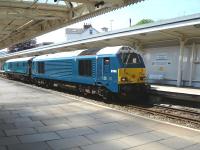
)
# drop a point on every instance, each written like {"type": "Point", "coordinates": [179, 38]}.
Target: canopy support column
{"type": "Point", "coordinates": [180, 63]}
{"type": "Point", "coordinates": [192, 64]}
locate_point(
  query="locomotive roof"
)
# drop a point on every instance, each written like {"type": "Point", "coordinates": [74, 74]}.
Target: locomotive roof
{"type": "Point", "coordinates": [97, 51]}
{"type": "Point", "coordinates": [19, 59]}
{"type": "Point", "coordinates": [116, 50]}
{"type": "Point", "coordinates": [58, 55]}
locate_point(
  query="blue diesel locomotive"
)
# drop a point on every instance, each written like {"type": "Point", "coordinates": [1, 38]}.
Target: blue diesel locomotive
{"type": "Point", "coordinates": [117, 70]}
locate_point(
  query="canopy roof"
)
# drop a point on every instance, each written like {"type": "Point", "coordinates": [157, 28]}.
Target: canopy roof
{"type": "Point", "coordinates": [154, 34]}
{"type": "Point", "coordinates": [21, 20]}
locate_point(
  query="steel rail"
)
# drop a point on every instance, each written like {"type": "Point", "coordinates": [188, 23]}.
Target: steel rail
{"type": "Point", "coordinates": [176, 109]}
{"type": "Point", "coordinates": [168, 115]}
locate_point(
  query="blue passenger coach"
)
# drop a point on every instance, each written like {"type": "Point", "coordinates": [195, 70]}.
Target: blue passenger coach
{"type": "Point", "coordinates": [19, 67]}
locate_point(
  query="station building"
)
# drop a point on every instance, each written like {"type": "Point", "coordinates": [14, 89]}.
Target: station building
{"type": "Point", "coordinates": [78, 33]}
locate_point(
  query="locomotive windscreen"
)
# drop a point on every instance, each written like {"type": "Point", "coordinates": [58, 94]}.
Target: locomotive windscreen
{"type": "Point", "coordinates": [131, 59]}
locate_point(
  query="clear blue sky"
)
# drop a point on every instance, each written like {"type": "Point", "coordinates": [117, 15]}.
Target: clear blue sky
{"type": "Point", "coordinates": [149, 9]}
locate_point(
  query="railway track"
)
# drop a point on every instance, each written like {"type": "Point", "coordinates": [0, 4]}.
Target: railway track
{"type": "Point", "coordinates": [184, 115]}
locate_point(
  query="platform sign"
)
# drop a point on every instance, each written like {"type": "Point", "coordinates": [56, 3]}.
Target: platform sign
{"type": "Point", "coordinates": [161, 59]}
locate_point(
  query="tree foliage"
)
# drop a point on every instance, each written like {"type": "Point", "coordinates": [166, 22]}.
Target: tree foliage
{"type": "Point", "coordinates": [144, 21]}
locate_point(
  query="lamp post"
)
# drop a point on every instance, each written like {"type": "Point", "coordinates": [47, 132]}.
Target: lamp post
{"type": "Point", "coordinates": [111, 21]}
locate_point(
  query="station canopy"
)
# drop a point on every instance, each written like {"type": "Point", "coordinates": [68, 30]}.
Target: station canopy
{"type": "Point", "coordinates": [21, 20]}
{"type": "Point", "coordinates": [163, 33]}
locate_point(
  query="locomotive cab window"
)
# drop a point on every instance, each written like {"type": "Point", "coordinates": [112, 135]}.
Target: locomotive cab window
{"type": "Point", "coordinates": [106, 61]}
{"type": "Point", "coordinates": [85, 68]}
{"type": "Point", "coordinates": [41, 67]}
{"type": "Point", "coordinates": [130, 58]}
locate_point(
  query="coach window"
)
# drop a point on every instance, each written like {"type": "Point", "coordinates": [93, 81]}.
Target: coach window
{"type": "Point", "coordinates": [41, 67]}
{"type": "Point", "coordinates": [85, 68]}
{"type": "Point", "coordinates": [10, 65]}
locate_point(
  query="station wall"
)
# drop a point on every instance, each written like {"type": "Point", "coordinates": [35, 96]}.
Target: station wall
{"type": "Point", "coordinates": [162, 65]}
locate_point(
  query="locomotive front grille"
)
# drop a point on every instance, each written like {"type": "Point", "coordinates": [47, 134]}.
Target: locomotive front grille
{"type": "Point", "coordinates": [131, 75]}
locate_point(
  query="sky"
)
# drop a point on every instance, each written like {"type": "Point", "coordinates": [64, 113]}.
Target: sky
{"type": "Point", "coordinates": [149, 9]}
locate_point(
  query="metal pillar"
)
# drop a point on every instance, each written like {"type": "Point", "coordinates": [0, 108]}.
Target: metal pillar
{"type": "Point", "coordinates": [191, 64]}
{"type": "Point", "coordinates": [1, 65]}
{"type": "Point", "coordinates": [180, 64]}
{"type": "Point", "coordinates": [137, 45]}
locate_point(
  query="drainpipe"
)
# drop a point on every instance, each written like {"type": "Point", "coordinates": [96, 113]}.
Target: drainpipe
{"type": "Point", "coordinates": [180, 64]}
{"type": "Point", "coordinates": [191, 64]}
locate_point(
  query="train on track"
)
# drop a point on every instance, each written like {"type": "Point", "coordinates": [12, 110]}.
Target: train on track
{"type": "Point", "coordinates": [118, 70]}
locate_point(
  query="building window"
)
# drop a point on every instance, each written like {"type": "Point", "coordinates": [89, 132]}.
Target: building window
{"type": "Point", "coordinates": [40, 67]}
{"type": "Point", "coordinates": [91, 32]}
{"type": "Point", "coordinates": [85, 67]}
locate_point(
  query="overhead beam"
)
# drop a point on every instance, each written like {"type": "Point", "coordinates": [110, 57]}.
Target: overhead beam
{"type": "Point", "coordinates": [173, 34]}
{"type": "Point", "coordinates": [28, 4]}
{"type": "Point", "coordinates": [36, 14]}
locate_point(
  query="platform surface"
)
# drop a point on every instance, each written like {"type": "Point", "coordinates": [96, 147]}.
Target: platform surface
{"type": "Point", "coordinates": [180, 90]}
{"type": "Point", "coordinates": [36, 119]}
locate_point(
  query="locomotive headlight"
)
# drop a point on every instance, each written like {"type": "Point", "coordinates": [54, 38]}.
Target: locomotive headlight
{"type": "Point", "coordinates": [124, 79]}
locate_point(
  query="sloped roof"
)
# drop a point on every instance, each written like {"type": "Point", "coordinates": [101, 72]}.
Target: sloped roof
{"type": "Point", "coordinates": [74, 31]}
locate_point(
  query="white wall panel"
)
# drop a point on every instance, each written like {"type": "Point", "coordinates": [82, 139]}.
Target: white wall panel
{"type": "Point", "coordinates": [162, 65]}
{"type": "Point", "coordinates": [162, 61]}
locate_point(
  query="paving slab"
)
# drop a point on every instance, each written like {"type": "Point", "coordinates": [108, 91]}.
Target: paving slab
{"type": "Point", "coordinates": [75, 132]}
{"type": "Point", "coordinates": [36, 118]}
{"type": "Point", "coordinates": [69, 143]}
{"type": "Point", "coordinates": [107, 145]}
{"type": "Point", "coordinates": [192, 147]}
{"type": "Point", "coordinates": [3, 148]}
{"type": "Point", "coordinates": [9, 140]}
{"type": "Point", "coordinates": [21, 131]}
{"type": "Point", "coordinates": [152, 146]}
{"type": "Point", "coordinates": [177, 143]}
{"type": "Point", "coordinates": [50, 128]}
{"type": "Point", "coordinates": [29, 146]}
{"type": "Point", "coordinates": [38, 137]}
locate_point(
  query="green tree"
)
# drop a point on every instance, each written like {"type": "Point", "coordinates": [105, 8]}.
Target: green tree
{"type": "Point", "coordinates": [144, 21]}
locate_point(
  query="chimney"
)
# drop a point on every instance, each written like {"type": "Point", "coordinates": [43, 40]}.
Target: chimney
{"type": "Point", "coordinates": [104, 29]}
{"type": "Point", "coordinates": [86, 26]}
